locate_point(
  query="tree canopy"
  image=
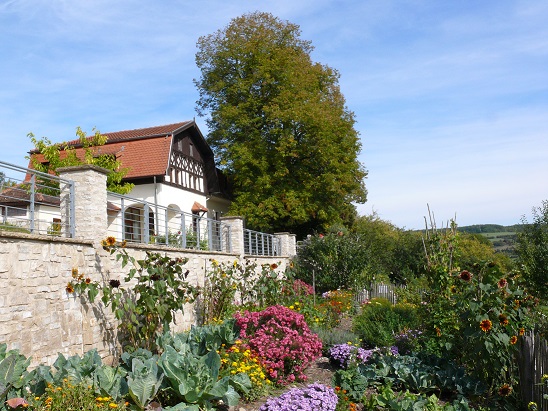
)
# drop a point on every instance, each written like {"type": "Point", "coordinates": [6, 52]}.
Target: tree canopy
{"type": "Point", "coordinates": [532, 248]}
{"type": "Point", "coordinates": [279, 126]}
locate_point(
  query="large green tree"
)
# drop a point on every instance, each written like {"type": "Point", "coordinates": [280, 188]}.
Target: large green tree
{"type": "Point", "coordinates": [532, 248]}
{"type": "Point", "coordinates": [279, 126]}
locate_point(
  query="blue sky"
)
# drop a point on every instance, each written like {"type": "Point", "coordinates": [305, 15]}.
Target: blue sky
{"type": "Point", "coordinates": [450, 97]}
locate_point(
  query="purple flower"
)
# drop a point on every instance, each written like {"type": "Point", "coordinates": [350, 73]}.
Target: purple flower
{"type": "Point", "coordinates": [311, 398]}
{"type": "Point", "coordinates": [345, 354]}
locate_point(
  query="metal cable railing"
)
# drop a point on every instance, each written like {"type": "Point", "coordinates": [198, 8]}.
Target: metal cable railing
{"type": "Point", "coordinates": [138, 221]}
{"type": "Point", "coordinates": [34, 202]}
{"type": "Point", "coordinates": [257, 243]}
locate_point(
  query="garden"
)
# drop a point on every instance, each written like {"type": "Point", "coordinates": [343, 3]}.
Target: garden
{"type": "Point", "coordinates": [450, 342]}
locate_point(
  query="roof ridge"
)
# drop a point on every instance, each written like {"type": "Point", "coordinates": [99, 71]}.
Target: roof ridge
{"type": "Point", "coordinates": [146, 128]}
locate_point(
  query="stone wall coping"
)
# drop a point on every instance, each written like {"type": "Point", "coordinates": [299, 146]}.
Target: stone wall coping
{"type": "Point", "coordinates": [83, 167]}
{"type": "Point", "coordinates": [44, 237]}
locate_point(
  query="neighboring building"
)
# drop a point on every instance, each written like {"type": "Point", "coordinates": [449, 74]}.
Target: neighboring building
{"type": "Point", "coordinates": [171, 166]}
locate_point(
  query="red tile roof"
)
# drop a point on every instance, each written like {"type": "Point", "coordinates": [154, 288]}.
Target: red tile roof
{"type": "Point", "coordinates": [144, 151]}
{"type": "Point", "coordinates": [156, 131]}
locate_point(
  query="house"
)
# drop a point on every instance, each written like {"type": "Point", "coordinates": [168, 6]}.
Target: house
{"type": "Point", "coordinates": [15, 210]}
{"type": "Point", "coordinates": [172, 167]}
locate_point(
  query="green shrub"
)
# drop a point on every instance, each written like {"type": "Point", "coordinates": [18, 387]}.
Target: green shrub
{"type": "Point", "coordinates": [332, 261]}
{"type": "Point", "coordinates": [388, 400]}
{"type": "Point", "coordinates": [379, 321]}
{"type": "Point", "coordinates": [352, 382]}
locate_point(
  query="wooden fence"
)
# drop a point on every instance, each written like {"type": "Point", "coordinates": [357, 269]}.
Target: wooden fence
{"type": "Point", "coordinates": [378, 290]}
{"type": "Point", "coordinates": [533, 364]}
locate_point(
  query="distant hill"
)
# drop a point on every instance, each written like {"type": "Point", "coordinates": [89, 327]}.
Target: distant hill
{"type": "Point", "coordinates": [490, 228]}
{"type": "Point", "coordinates": [502, 237]}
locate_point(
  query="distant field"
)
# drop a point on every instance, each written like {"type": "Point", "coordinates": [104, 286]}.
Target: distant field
{"type": "Point", "coordinates": [503, 238]}
{"type": "Point", "coordinates": [502, 234]}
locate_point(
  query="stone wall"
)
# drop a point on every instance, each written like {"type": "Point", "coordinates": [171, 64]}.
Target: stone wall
{"type": "Point", "coordinates": [41, 319]}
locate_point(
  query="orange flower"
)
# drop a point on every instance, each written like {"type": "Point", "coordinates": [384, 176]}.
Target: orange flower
{"type": "Point", "coordinates": [513, 339]}
{"type": "Point", "coordinates": [88, 280]}
{"type": "Point", "coordinates": [438, 332]}
{"type": "Point", "coordinates": [110, 241]}
{"type": "Point", "coordinates": [521, 331]}
{"type": "Point", "coordinates": [505, 390]}
{"type": "Point", "coordinates": [273, 266]}
{"type": "Point", "coordinates": [486, 325]}
{"type": "Point", "coordinates": [69, 288]}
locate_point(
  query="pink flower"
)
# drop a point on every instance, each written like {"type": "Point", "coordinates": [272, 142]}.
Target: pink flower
{"type": "Point", "coordinates": [282, 339]}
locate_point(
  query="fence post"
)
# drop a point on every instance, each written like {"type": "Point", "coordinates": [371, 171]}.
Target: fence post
{"type": "Point", "coordinates": [90, 200]}
{"type": "Point", "coordinates": [236, 225]}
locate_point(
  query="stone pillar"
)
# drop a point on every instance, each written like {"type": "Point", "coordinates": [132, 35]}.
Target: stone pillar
{"type": "Point", "coordinates": [292, 246]}
{"type": "Point", "coordinates": [236, 225]}
{"type": "Point", "coordinates": [90, 200]}
{"type": "Point", "coordinates": [287, 244]}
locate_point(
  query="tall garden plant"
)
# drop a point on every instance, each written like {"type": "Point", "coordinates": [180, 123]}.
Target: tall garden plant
{"type": "Point", "coordinates": [475, 318]}
{"type": "Point", "coordinates": [145, 305]}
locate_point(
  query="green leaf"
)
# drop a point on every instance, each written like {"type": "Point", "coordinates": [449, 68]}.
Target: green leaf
{"type": "Point", "coordinates": [241, 382]}
{"type": "Point", "coordinates": [183, 407]}
{"type": "Point", "coordinates": [213, 362]}
{"type": "Point", "coordinates": [144, 381]}
{"type": "Point", "coordinates": [92, 293]}
{"type": "Point", "coordinates": [231, 397]}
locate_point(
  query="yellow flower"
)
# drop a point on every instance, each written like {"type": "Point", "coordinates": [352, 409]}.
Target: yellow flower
{"type": "Point", "coordinates": [113, 405]}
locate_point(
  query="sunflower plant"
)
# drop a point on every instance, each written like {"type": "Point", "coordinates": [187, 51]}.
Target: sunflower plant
{"type": "Point", "coordinates": [490, 314]}
{"type": "Point", "coordinates": [145, 304]}
{"type": "Point", "coordinates": [493, 315]}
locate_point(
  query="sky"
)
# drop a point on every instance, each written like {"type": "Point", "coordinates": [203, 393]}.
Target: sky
{"type": "Point", "coordinates": [450, 97]}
